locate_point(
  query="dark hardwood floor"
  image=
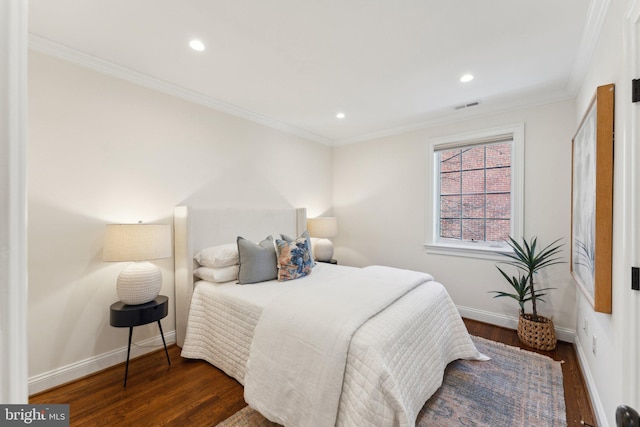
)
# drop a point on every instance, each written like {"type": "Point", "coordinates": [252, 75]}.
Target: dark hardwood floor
{"type": "Point", "coordinates": [194, 393]}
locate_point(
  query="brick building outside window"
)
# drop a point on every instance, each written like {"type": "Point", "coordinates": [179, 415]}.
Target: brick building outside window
{"type": "Point", "coordinates": [475, 193]}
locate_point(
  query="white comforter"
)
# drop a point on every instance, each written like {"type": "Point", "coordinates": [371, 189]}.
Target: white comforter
{"type": "Point", "coordinates": [299, 351]}
{"type": "Point", "coordinates": [395, 360]}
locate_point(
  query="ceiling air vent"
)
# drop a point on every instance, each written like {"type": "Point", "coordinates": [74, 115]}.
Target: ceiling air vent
{"type": "Point", "coordinates": [463, 106]}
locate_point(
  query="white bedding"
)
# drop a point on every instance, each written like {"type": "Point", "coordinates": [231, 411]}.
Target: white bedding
{"type": "Point", "coordinates": [298, 355]}
{"type": "Point", "coordinates": [395, 360]}
{"type": "Point", "coordinates": [222, 317]}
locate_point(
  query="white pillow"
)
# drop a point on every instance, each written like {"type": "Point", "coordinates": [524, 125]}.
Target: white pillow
{"type": "Point", "coordinates": [218, 275]}
{"type": "Point", "coordinates": [218, 256]}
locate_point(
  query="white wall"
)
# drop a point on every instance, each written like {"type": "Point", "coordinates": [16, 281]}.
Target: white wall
{"type": "Point", "coordinates": [103, 150]}
{"type": "Point", "coordinates": [613, 370]}
{"type": "Point", "coordinates": [379, 199]}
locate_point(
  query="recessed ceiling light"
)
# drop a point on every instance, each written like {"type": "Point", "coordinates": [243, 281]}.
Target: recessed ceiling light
{"type": "Point", "coordinates": [196, 45]}
{"type": "Point", "coordinates": [340, 115]}
{"type": "Point", "coordinates": [466, 78]}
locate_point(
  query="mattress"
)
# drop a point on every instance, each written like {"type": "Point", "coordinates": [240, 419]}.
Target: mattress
{"type": "Point", "coordinates": [395, 362]}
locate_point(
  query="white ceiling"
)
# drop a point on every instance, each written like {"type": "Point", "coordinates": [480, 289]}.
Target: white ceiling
{"type": "Point", "coordinates": [389, 65]}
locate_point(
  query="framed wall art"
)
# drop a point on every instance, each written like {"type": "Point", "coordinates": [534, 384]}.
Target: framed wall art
{"type": "Point", "coordinates": [592, 200]}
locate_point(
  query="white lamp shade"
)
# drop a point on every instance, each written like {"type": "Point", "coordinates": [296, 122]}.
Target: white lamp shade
{"type": "Point", "coordinates": [139, 282]}
{"type": "Point", "coordinates": [136, 242]}
{"type": "Point", "coordinates": [323, 226]}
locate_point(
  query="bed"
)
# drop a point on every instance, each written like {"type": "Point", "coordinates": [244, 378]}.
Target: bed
{"type": "Point", "coordinates": [385, 359]}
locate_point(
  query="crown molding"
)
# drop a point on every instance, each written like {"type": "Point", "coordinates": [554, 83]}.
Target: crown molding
{"type": "Point", "coordinates": [596, 16]}
{"type": "Point", "coordinates": [456, 117]}
{"type": "Point", "coordinates": [51, 48]}
{"type": "Point", "coordinates": [595, 19]}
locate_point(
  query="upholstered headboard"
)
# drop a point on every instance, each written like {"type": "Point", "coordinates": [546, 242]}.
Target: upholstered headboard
{"type": "Point", "coordinates": [199, 228]}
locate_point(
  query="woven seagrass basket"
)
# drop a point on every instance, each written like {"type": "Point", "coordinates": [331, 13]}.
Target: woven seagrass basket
{"type": "Point", "coordinates": [540, 335]}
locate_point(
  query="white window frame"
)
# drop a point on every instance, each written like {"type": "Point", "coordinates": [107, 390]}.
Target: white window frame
{"type": "Point", "coordinates": [433, 243]}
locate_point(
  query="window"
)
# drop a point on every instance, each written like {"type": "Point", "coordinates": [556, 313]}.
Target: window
{"type": "Point", "coordinates": [475, 191]}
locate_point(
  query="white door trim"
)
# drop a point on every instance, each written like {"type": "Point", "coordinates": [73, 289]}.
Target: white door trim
{"type": "Point", "coordinates": [630, 113]}
{"type": "Point", "coordinates": [13, 210]}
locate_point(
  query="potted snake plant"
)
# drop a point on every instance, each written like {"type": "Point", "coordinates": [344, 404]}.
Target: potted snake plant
{"type": "Point", "coordinates": [529, 258]}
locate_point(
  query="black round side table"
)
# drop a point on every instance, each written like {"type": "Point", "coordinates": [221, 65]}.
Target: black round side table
{"type": "Point", "coordinates": [128, 316]}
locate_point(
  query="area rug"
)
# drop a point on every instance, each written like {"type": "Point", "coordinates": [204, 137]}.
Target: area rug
{"type": "Point", "coordinates": [515, 388]}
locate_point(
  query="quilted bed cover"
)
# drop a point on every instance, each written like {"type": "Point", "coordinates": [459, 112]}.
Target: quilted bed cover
{"type": "Point", "coordinates": [395, 360]}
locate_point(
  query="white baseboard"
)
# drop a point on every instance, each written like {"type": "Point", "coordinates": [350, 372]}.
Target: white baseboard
{"type": "Point", "coordinates": [80, 369]}
{"type": "Point", "coordinates": [591, 385]}
{"type": "Point", "coordinates": [563, 334]}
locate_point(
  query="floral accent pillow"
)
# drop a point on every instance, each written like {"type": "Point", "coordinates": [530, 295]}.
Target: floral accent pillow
{"type": "Point", "coordinates": [294, 259]}
{"type": "Point", "coordinates": [305, 234]}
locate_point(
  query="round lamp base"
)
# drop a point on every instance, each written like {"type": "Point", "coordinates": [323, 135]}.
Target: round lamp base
{"type": "Point", "coordinates": [138, 283]}
{"type": "Point", "coordinates": [323, 250]}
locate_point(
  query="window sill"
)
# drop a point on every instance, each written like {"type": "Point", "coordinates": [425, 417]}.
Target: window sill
{"type": "Point", "coordinates": [468, 251]}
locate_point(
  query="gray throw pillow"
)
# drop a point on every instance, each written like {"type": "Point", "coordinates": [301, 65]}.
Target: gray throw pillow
{"type": "Point", "coordinates": [258, 262]}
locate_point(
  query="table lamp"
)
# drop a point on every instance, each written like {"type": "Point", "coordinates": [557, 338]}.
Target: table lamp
{"type": "Point", "coordinates": [323, 227]}
{"type": "Point", "coordinates": [140, 281]}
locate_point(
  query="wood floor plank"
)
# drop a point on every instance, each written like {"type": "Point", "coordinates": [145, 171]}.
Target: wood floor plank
{"type": "Point", "coordinates": [194, 393]}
